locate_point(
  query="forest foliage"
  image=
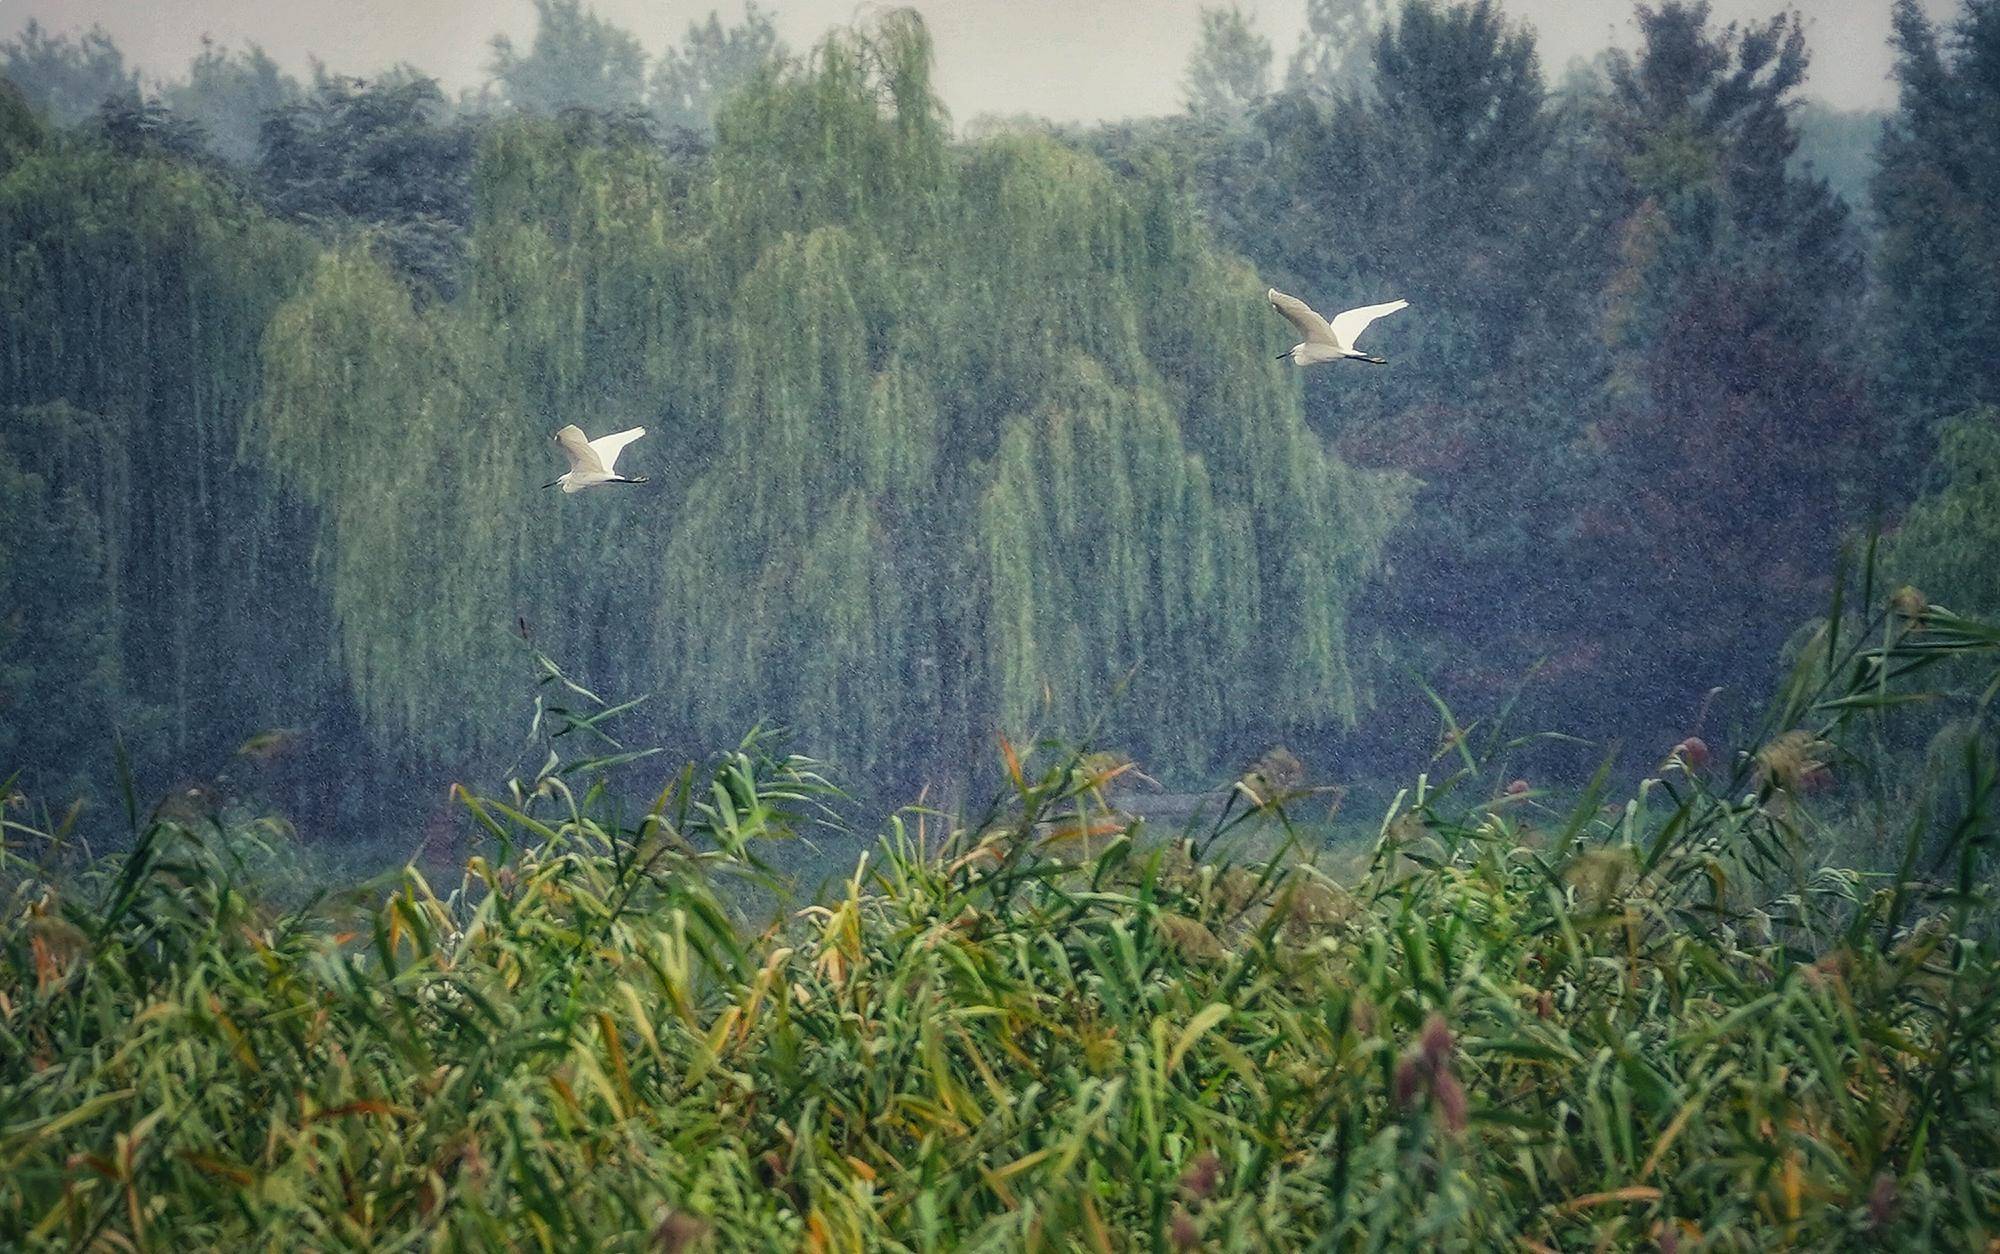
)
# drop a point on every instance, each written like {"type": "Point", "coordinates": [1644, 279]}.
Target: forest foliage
{"type": "Point", "coordinates": [945, 428]}
{"type": "Point", "coordinates": [950, 435]}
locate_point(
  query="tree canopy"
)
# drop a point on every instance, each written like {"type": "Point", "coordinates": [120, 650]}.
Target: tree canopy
{"type": "Point", "coordinates": [955, 439]}
{"type": "Point", "coordinates": [66, 77]}
{"type": "Point", "coordinates": [960, 433]}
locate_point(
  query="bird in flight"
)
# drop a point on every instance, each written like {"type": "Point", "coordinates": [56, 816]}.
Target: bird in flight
{"type": "Point", "coordinates": [592, 462]}
{"type": "Point", "coordinates": [1329, 341]}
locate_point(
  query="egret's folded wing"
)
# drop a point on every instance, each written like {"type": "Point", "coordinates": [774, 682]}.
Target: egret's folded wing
{"type": "Point", "coordinates": [1347, 327]}
{"type": "Point", "coordinates": [1300, 315]}
{"type": "Point", "coordinates": [607, 446]}
{"type": "Point", "coordinates": [582, 453]}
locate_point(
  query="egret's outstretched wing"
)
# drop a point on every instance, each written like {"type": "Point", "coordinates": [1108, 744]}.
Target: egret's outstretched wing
{"type": "Point", "coordinates": [607, 446]}
{"type": "Point", "coordinates": [581, 452]}
{"type": "Point", "coordinates": [1347, 327]}
{"type": "Point", "coordinates": [1299, 314]}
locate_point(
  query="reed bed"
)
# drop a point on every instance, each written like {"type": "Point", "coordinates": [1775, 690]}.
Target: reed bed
{"type": "Point", "coordinates": [1638, 1022]}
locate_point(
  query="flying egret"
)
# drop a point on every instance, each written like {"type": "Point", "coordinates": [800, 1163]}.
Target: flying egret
{"type": "Point", "coordinates": [591, 461]}
{"type": "Point", "coordinates": [1329, 342]}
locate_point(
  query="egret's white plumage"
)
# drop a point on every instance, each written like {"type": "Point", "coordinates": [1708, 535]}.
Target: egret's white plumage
{"type": "Point", "coordinates": [1329, 341]}
{"type": "Point", "coordinates": [593, 462]}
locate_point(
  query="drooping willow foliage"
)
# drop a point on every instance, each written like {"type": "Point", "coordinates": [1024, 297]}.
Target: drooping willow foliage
{"type": "Point", "coordinates": [944, 440]}
{"type": "Point", "coordinates": [134, 292]}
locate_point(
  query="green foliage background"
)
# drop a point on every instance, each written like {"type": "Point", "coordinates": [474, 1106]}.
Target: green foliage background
{"type": "Point", "coordinates": [134, 296]}
{"type": "Point", "coordinates": [946, 440]}
{"type": "Point", "coordinates": [953, 436]}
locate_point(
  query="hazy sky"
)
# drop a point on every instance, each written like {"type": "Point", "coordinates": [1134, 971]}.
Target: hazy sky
{"type": "Point", "coordinates": [1066, 59]}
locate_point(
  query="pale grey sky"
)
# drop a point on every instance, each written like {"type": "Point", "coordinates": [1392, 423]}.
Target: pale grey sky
{"type": "Point", "coordinates": [1065, 59]}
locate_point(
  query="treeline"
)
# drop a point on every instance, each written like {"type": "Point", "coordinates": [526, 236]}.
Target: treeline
{"type": "Point", "coordinates": [947, 438]}
{"type": "Point", "coordinates": [951, 436]}
{"type": "Point", "coordinates": [576, 60]}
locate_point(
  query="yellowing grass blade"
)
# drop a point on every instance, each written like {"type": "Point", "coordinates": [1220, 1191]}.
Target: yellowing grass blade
{"type": "Point", "coordinates": [1198, 1026]}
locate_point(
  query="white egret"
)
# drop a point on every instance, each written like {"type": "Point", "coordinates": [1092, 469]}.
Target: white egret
{"type": "Point", "coordinates": [1329, 341]}
{"type": "Point", "coordinates": [592, 462]}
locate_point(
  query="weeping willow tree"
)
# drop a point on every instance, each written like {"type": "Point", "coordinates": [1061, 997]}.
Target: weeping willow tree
{"type": "Point", "coordinates": [133, 295]}
{"type": "Point", "coordinates": [61, 676]}
{"type": "Point", "coordinates": [422, 436]}
{"type": "Point", "coordinates": [945, 440]}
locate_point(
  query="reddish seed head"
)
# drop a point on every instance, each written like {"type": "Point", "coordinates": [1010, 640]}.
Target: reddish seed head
{"type": "Point", "coordinates": [678, 1232]}
{"type": "Point", "coordinates": [1667, 1239]}
{"type": "Point", "coordinates": [1202, 1175]}
{"type": "Point", "coordinates": [1436, 1043]}
{"type": "Point", "coordinates": [1693, 751]}
{"type": "Point", "coordinates": [1408, 1078]}
{"type": "Point", "coordinates": [1182, 1231]}
{"type": "Point", "coordinates": [1882, 1200]}
{"type": "Point", "coordinates": [1451, 1100]}
{"type": "Point", "coordinates": [1517, 788]}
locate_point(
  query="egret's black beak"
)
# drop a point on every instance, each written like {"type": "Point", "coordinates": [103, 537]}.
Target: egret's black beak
{"type": "Point", "coordinates": [552, 483]}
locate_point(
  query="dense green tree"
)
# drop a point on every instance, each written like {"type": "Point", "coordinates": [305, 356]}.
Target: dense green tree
{"type": "Point", "coordinates": [230, 94]}
{"type": "Point", "coordinates": [169, 278]}
{"type": "Point", "coordinates": [1424, 186]}
{"type": "Point", "coordinates": [62, 687]}
{"type": "Point", "coordinates": [381, 157]}
{"type": "Point", "coordinates": [146, 128]}
{"type": "Point", "coordinates": [21, 132]}
{"type": "Point", "coordinates": [577, 59]}
{"type": "Point", "coordinates": [1937, 203]}
{"type": "Point", "coordinates": [691, 80]}
{"type": "Point", "coordinates": [1336, 52]}
{"type": "Point", "coordinates": [1230, 67]}
{"type": "Point", "coordinates": [1948, 541]}
{"type": "Point", "coordinates": [1454, 183]}
{"type": "Point", "coordinates": [67, 78]}
{"type": "Point", "coordinates": [1734, 431]}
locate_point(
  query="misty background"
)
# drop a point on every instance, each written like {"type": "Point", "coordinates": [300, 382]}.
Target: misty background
{"type": "Point", "coordinates": [1069, 60]}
